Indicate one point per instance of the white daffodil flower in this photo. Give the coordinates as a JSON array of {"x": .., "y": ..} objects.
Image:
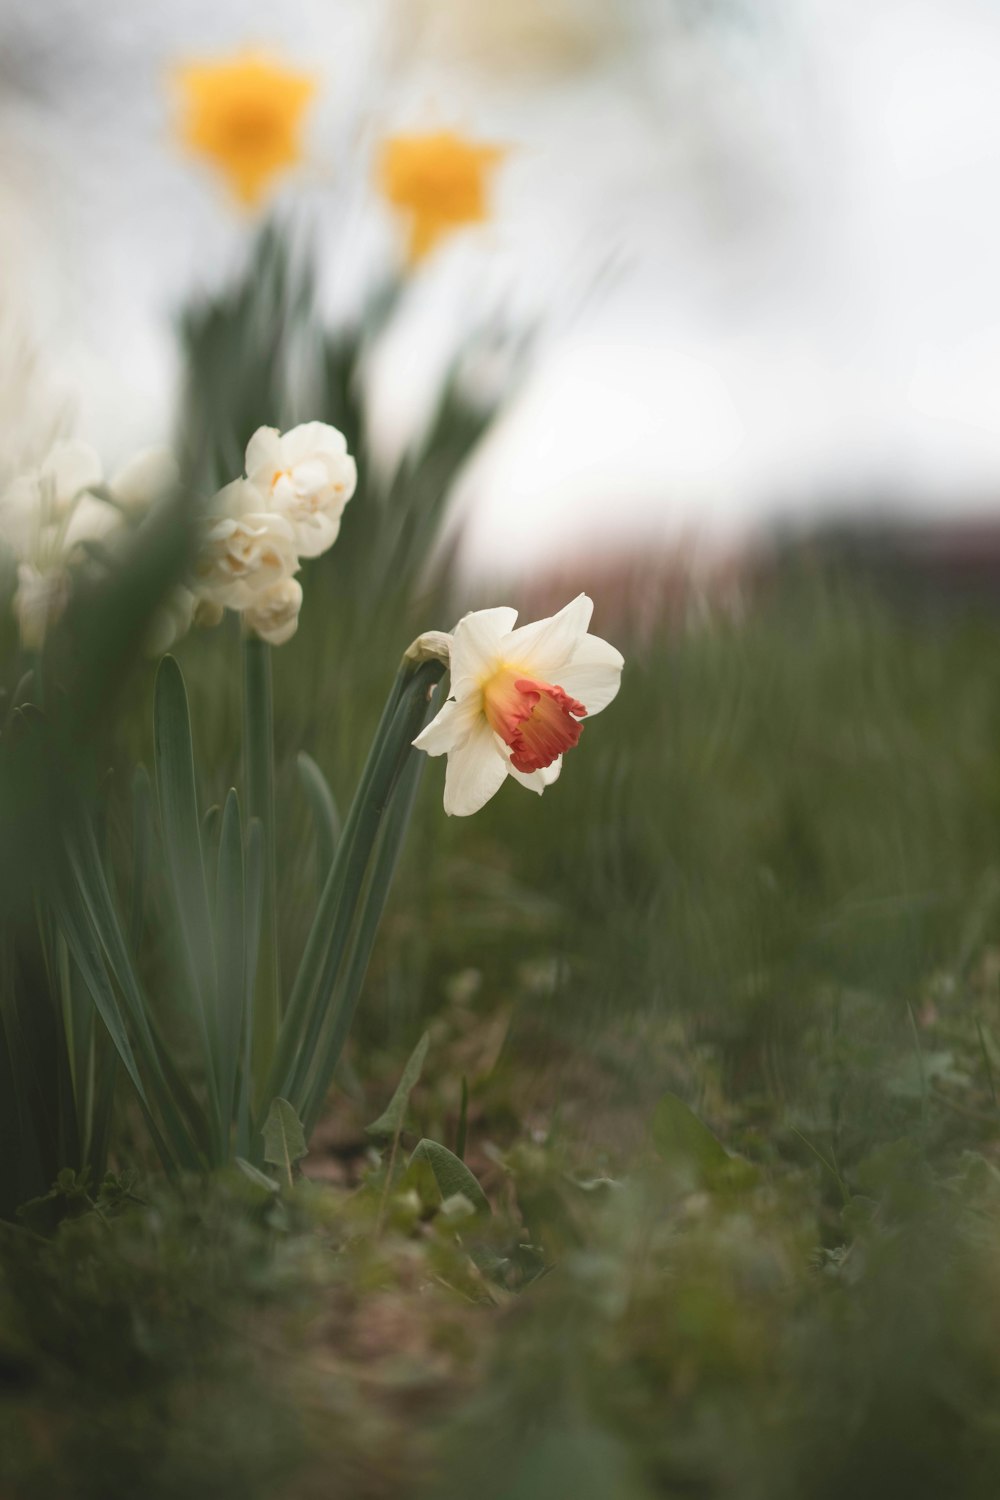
[
  {"x": 517, "y": 698},
  {"x": 245, "y": 550},
  {"x": 47, "y": 519},
  {"x": 305, "y": 475},
  {"x": 45, "y": 496},
  {"x": 274, "y": 614},
  {"x": 148, "y": 477}
]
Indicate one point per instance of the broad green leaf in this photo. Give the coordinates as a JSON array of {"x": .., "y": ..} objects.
[
  {"x": 688, "y": 1146},
  {"x": 462, "y": 1134},
  {"x": 256, "y": 1176},
  {"x": 284, "y": 1138},
  {"x": 451, "y": 1175},
  {"x": 390, "y": 1121}
]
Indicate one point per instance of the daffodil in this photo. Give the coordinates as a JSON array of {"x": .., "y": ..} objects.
[
  {"x": 305, "y": 475},
  {"x": 518, "y": 697},
  {"x": 246, "y": 115},
  {"x": 145, "y": 479},
  {"x": 244, "y": 549},
  {"x": 438, "y": 182},
  {"x": 49, "y": 519},
  {"x": 274, "y": 614}
]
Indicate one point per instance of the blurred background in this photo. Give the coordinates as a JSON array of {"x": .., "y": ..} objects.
[{"x": 754, "y": 240}]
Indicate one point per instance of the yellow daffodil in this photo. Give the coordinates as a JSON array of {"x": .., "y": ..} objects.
[
  {"x": 438, "y": 182},
  {"x": 517, "y": 699},
  {"x": 246, "y": 116}
]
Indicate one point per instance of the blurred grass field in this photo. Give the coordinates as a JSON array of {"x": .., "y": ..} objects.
[{"x": 768, "y": 883}]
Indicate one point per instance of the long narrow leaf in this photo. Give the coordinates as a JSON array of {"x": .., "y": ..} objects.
[
  {"x": 258, "y": 757},
  {"x": 254, "y": 879},
  {"x": 344, "y": 1003},
  {"x": 89, "y": 884},
  {"x": 326, "y": 819},
  {"x": 142, "y": 842},
  {"x": 391, "y": 753},
  {"x": 317, "y": 943},
  {"x": 182, "y": 842},
  {"x": 230, "y": 920}
]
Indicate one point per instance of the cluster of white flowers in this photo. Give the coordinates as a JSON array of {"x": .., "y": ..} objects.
[
  {"x": 287, "y": 507},
  {"x": 56, "y": 515},
  {"x": 252, "y": 538}
]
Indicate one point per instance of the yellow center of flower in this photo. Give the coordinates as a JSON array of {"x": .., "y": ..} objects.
[
  {"x": 246, "y": 116},
  {"x": 537, "y": 720},
  {"x": 439, "y": 182}
]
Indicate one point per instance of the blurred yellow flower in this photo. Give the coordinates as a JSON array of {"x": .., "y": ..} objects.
[
  {"x": 246, "y": 116},
  {"x": 439, "y": 182}
]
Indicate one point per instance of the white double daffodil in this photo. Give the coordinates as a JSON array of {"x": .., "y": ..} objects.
[
  {"x": 287, "y": 507},
  {"x": 305, "y": 475},
  {"x": 517, "y": 700}
]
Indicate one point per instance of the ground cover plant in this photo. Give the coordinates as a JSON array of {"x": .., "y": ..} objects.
[{"x": 661, "y": 1155}]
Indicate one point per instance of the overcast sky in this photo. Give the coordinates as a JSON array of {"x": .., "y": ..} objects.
[{"x": 764, "y": 246}]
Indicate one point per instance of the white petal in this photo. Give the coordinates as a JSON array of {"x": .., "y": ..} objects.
[
  {"x": 553, "y": 772},
  {"x": 237, "y": 498},
  {"x": 72, "y": 467},
  {"x": 264, "y": 455},
  {"x": 20, "y": 516},
  {"x": 537, "y": 781},
  {"x": 91, "y": 520},
  {"x": 453, "y": 724},
  {"x": 309, "y": 440},
  {"x": 547, "y": 645},
  {"x": 475, "y": 645},
  {"x": 593, "y": 676},
  {"x": 145, "y": 478},
  {"x": 476, "y": 771},
  {"x": 315, "y": 534}
]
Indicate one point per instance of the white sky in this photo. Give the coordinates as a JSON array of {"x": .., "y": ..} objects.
[{"x": 766, "y": 252}]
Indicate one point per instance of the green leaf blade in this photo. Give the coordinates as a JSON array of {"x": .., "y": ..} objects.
[
  {"x": 390, "y": 1121},
  {"x": 451, "y": 1175},
  {"x": 284, "y": 1138}
]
